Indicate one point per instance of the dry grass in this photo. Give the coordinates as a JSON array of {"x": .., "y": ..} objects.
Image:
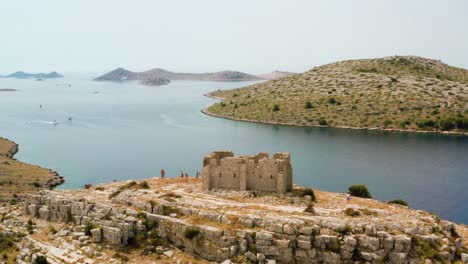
[
  {"x": 18, "y": 178},
  {"x": 389, "y": 93}
]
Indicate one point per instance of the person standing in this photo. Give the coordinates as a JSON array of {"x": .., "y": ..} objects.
[{"x": 163, "y": 173}]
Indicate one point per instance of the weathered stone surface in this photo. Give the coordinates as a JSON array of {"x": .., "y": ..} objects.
[
  {"x": 112, "y": 235},
  {"x": 96, "y": 234}
]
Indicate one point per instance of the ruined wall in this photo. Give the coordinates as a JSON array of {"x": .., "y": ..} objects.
[
  {"x": 261, "y": 237},
  {"x": 259, "y": 172}
]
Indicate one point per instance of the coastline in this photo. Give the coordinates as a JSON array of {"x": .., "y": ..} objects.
[
  {"x": 21, "y": 175},
  {"x": 207, "y": 112}
]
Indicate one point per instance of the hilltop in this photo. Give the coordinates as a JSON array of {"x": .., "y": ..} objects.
[
  {"x": 395, "y": 93},
  {"x": 120, "y": 74},
  {"x": 25, "y": 75},
  {"x": 176, "y": 221}
]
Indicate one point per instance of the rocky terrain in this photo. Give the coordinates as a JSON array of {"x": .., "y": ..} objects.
[
  {"x": 24, "y": 75},
  {"x": 175, "y": 221},
  {"x": 18, "y": 178},
  {"x": 393, "y": 93},
  {"x": 121, "y": 74}
]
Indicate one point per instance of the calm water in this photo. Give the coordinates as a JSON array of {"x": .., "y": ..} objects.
[{"x": 129, "y": 131}]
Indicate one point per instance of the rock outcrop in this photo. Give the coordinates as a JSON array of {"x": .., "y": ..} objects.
[{"x": 217, "y": 226}]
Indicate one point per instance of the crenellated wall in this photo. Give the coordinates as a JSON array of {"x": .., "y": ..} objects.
[{"x": 260, "y": 172}]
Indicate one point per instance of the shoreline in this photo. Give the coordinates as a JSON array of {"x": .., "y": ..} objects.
[
  {"x": 55, "y": 180},
  {"x": 207, "y": 112}
]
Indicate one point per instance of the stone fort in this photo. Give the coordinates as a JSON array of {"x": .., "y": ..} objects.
[{"x": 221, "y": 170}]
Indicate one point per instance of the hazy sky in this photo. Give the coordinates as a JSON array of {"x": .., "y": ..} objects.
[{"x": 254, "y": 36}]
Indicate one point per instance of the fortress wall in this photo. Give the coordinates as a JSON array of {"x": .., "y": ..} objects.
[{"x": 222, "y": 170}]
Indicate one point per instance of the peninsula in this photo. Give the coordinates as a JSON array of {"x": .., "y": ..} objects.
[
  {"x": 24, "y": 75},
  {"x": 18, "y": 178},
  {"x": 404, "y": 93}
]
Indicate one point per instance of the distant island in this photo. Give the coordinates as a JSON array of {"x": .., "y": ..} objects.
[
  {"x": 403, "y": 93},
  {"x": 8, "y": 90},
  {"x": 25, "y": 75},
  {"x": 276, "y": 75},
  {"x": 146, "y": 77}
]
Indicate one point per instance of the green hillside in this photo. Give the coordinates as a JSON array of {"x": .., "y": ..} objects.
[{"x": 407, "y": 93}]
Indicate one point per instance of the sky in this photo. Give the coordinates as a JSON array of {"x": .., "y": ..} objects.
[{"x": 253, "y": 36}]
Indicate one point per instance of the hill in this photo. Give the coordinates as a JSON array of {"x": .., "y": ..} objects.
[
  {"x": 176, "y": 221},
  {"x": 395, "y": 93},
  {"x": 276, "y": 75},
  {"x": 25, "y": 75},
  {"x": 223, "y": 76}
]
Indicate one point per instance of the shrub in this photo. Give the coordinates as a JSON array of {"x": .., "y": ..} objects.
[
  {"x": 308, "y": 105},
  {"x": 387, "y": 122},
  {"x": 398, "y": 201},
  {"x": 144, "y": 185},
  {"x": 88, "y": 186},
  {"x": 276, "y": 108},
  {"x": 332, "y": 100},
  {"x": 99, "y": 188},
  {"x": 52, "y": 230},
  {"x": 301, "y": 192},
  {"x": 41, "y": 260},
  {"x": 310, "y": 208},
  {"x": 359, "y": 190},
  {"x": 323, "y": 122},
  {"x": 36, "y": 184},
  {"x": 351, "y": 212},
  {"x": 191, "y": 232},
  {"x": 13, "y": 201},
  {"x": 425, "y": 123},
  {"x": 88, "y": 227}
]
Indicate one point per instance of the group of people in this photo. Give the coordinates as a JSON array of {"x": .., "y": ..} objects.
[{"x": 182, "y": 174}]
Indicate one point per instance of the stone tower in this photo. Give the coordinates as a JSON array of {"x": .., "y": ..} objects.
[{"x": 221, "y": 170}]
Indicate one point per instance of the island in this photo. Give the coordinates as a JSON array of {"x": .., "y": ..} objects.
[
  {"x": 276, "y": 75},
  {"x": 24, "y": 75},
  {"x": 8, "y": 90},
  {"x": 398, "y": 93},
  {"x": 121, "y": 74}
]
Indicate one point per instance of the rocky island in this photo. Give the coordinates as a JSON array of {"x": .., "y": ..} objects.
[
  {"x": 403, "y": 93},
  {"x": 24, "y": 75},
  {"x": 121, "y": 74},
  {"x": 184, "y": 220}
]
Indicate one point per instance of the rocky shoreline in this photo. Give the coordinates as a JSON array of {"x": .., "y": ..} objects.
[
  {"x": 207, "y": 112},
  {"x": 56, "y": 179}
]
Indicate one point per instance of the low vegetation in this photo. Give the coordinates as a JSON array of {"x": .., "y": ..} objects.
[
  {"x": 351, "y": 212},
  {"x": 191, "y": 232},
  {"x": 407, "y": 93},
  {"x": 359, "y": 190},
  {"x": 131, "y": 185},
  {"x": 398, "y": 201}
]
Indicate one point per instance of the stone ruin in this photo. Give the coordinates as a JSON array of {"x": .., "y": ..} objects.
[{"x": 221, "y": 170}]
